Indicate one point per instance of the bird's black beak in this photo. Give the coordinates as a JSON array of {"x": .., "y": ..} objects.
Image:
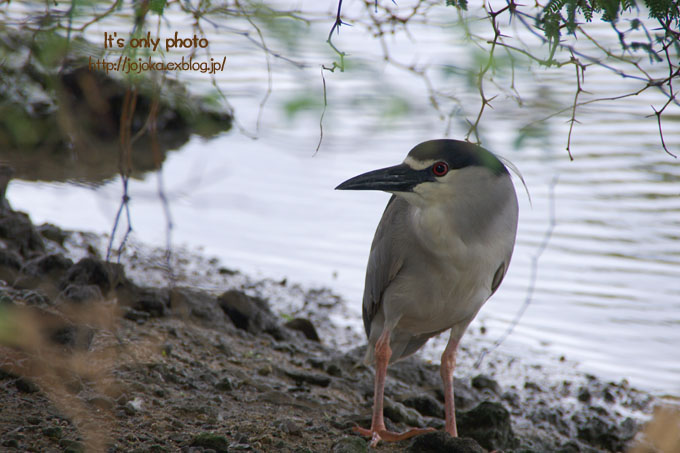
[{"x": 399, "y": 178}]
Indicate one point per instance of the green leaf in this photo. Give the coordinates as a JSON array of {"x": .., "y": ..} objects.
[
  {"x": 462, "y": 4},
  {"x": 300, "y": 103},
  {"x": 553, "y": 7},
  {"x": 571, "y": 16},
  {"x": 157, "y": 6}
]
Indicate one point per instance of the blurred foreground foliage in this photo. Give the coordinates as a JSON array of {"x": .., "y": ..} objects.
[
  {"x": 507, "y": 36},
  {"x": 61, "y": 120},
  {"x": 504, "y": 39}
]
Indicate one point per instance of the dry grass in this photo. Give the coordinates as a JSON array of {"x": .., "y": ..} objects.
[
  {"x": 661, "y": 434},
  {"x": 65, "y": 373}
]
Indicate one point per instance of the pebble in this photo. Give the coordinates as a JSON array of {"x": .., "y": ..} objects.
[
  {"x": 26, "y": 386},
  {"x": 88, "y": 271},
  {"x": 213, "y": 441},
  {"x": 289, "y": 427},
  {"x": 34, "y": 420},
  {"x": 136, "y": 315},
  {"x": 334, "y": 370},
  {"x": 71, "y": 446},
  {"x": 584, "y": 395},
  {"x": 307, "y": 377},
  {"x": 53, "y": 432},
  {"x": 225, "y": 385},
  {"x": 265, "y": 370},
  {"x": 102, "y": 402},
  {"x": 483, "y": 382},
  {"x": 305, "y": 326}
]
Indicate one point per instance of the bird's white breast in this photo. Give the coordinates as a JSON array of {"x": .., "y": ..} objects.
[{"x": 453, "y": 271}]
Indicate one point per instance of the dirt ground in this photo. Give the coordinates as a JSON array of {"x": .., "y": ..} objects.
[{"x": 97, "y": 356}]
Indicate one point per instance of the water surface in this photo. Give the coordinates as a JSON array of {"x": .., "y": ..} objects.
[{"x": 607, "y": 292}]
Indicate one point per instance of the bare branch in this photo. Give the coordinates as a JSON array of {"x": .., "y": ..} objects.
[
  {"x": 323, "y": 112},
  {"x": 577, "y": 66}
]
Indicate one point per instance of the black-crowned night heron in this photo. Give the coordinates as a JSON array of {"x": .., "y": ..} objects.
[{"x": 441, "y": 250}]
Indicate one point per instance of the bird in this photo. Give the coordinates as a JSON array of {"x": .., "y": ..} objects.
[{"x": 441, "y": 249}]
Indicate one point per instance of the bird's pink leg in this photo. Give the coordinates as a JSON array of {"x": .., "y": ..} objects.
[
  {"x": 446, "y": 370},
  {"x": 378, "y": 431}
]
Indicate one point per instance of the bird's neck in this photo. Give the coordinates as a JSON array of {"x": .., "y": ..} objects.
[{"x": 435, "y": 227}]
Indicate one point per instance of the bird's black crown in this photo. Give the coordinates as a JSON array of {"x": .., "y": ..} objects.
[{"x": 458, "y": 154}]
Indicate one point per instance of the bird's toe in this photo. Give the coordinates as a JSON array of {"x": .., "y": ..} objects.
[{"x": 379, "y": 434}]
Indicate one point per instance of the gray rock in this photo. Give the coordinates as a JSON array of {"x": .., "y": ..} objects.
[
  {"x": 73, "y": 337},
  {"x": 601, "y": 434},
  {"x": 53, "y": 233},
  {"x": 511, "y": 398},
  {"x": 308, "y": 378},
  {"x": 426, "y": 405},
  {"x": 152, "y": 301},
  {"x": 102, "y": 402},
  {"x": 88, "y": 271},
  {"x": 350, "y": 445},
  {"x": 488, "y": 424},
  {"x": 289, "y": 427},
  {"x": 251, "y": 314},
  {"x": 20, "y": 233},
  {"x": 225, "y": 385},
  {"x": 463, "y": 395},
  {"x": 6, "y": 174},
  {"x": 80, "y": 293},
  {"x": 399, "y": 413},
  {"x": 584, "y": 395},
  {"x": 441, "y": 442},
  {"x": 305, "y": 326},
  {"x": 26, "y": 386},
  {"x": 483, "y": 382},
  {"x": 10, "y": 259},
  {"x": 136, "y": 315},
  {"x": 71, "y": 446},
  {"x": 528, "y": 385},
  {"x": 334, "y": 370},
  {"x": 10, "y": 443},
  {"x": 130, "y": 408},
  {"x": 569, "y": 447},
  {"x": 199, "y": 305},
  {"x": 54, "y": 265},
  {"x": 213, "y": 441},
  {"x": 53, "y": 432}
]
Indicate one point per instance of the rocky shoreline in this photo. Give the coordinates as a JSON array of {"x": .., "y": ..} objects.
[{"x": 97, "y": 356}]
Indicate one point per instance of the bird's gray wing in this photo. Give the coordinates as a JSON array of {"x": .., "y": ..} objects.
[
  {"x": 385, "y": 260},
  {"x": 498, "y": 277}
]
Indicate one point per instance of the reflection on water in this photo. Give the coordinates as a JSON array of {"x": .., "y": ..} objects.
[
  {"x": 65, "y": 124},
  {"x": 608, "y": 285}
]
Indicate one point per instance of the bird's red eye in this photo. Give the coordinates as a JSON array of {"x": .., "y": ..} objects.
[{"x": 440, "y": 168}]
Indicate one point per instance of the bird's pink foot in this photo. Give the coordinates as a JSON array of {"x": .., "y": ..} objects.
[{"x": 379, "y": 434}]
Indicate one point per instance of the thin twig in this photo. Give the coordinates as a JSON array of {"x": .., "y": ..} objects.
[
  {"x": 336, "y": 26},
  {"x": 577, "y": 66},
  {"x": 323, "y": 112},
  {"x": 269, "y": 66},
  {"x": 125, "y": 168}
]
